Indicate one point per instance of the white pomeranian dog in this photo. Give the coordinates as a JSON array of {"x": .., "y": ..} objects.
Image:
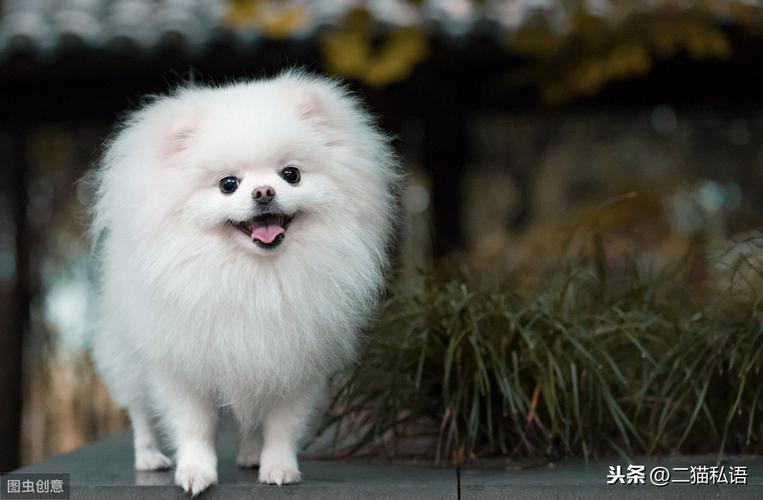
[{"x": 242, "y": 239}]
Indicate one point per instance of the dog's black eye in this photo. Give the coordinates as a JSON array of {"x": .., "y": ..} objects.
[
  {"x": 228, "y": 184},
  {"x": 290, "y": 175}
]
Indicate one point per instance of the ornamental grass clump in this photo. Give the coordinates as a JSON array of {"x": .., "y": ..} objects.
[{"x": 592, "y": 364}]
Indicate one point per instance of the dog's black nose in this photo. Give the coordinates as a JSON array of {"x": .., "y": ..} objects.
[{"x": 263, "y": 194}]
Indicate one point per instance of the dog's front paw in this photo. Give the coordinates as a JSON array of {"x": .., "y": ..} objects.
[
  {"x": 279, "y": 474},
  {"x": 146, "y": 460},
  {"x": 195, "y": 478}
]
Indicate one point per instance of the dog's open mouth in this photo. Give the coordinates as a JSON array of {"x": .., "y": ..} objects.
[{"x": 267, "y": 230}]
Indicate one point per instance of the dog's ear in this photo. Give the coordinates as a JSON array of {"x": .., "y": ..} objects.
[
  {"x": 315, "y": 105},
  {"x": 177, "y": 135},
  {"x": 307, "y": 102}
]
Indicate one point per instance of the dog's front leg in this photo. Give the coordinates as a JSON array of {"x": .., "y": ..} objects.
[
  {"x": 191, "y": 420},
  {"x": 282, "y": 428}
]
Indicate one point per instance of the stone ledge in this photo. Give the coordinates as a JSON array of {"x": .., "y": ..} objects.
[{"x": 104, "y": 470}]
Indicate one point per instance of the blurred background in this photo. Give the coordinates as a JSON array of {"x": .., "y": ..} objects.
[{"x": 520, "y": 121}]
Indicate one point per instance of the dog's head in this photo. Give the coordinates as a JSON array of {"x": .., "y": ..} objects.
[{"x": 262, "y": 166}]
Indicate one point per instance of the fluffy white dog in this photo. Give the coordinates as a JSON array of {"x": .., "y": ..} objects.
[{"x": 242, "y": 242}]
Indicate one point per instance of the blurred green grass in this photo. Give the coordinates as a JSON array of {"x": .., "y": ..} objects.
[{"x": 585, "y": 363}]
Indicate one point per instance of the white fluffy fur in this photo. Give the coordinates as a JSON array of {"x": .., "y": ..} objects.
[{"x": 192, "y": 315}]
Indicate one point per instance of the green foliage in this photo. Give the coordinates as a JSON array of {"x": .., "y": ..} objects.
[{"x": 589, "y": 364}]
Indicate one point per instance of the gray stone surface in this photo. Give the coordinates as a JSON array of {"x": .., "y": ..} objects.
[
  {"x": 568, "y": 480},
  {"x": 104, "y": 470}
]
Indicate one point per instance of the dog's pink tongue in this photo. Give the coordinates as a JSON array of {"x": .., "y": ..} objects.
[{"x": 266, "y": 232}]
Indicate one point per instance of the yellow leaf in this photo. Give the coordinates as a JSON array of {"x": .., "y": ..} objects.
[
  {"x": 274, "y": 19},
  {"x": 241, "y": 13},
  {"x": 347, "y": 52}
]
